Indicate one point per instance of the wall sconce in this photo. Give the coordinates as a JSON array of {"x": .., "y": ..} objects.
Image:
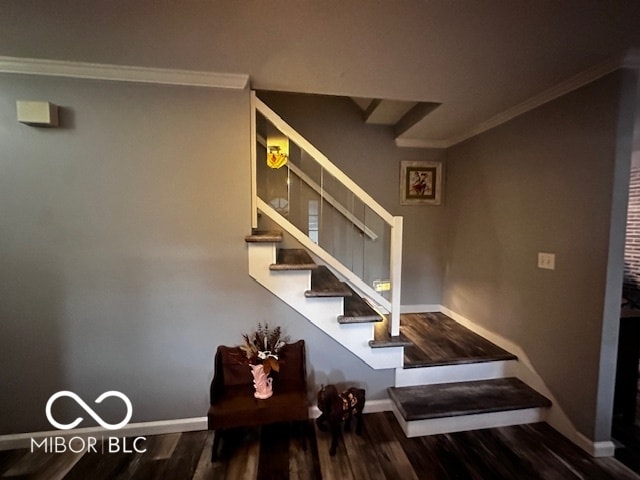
[
  {"x": 277, "y": 151},
  {"x": 276, "y": 159}
]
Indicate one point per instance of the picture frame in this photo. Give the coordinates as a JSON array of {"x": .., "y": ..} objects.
[{"x": 420, "y": 183}]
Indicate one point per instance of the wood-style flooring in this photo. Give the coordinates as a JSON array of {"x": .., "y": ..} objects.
[{"x": 382, "y": 452}]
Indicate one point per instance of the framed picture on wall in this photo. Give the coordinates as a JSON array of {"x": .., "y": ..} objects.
[{"x": 420, "y": 183}]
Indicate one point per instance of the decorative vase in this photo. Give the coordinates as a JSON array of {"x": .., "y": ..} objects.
[{"x": 261, "y": 382}]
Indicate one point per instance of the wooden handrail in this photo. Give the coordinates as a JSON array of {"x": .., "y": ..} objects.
[
  {"x": 395, "y": 222},
  {"x": 322, "y": 160}
]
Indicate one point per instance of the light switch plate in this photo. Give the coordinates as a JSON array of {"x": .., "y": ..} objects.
[{"x": 547, "y": 260}]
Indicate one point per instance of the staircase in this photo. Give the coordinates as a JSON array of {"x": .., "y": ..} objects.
[
  {"x": 455, "y": 380},
  {"x": 317, "y": 293},
  {"x": 447, "y": 378}
]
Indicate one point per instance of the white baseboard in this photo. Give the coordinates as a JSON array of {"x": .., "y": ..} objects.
[
  {"x": 420, "y": 308},
  {"x": 595, "y": 449},
  {"x": 143, "y": 429},
  {"x": 375, "y": 406},
  {"x": 370, "y": 406}
]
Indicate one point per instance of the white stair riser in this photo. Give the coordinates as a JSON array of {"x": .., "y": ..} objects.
[
  {"x": 290, "y": 285},
  {"x": 260, "y": 254},
  {"x": 407, "y": 377},
  {"x": 461, "y": 423}
]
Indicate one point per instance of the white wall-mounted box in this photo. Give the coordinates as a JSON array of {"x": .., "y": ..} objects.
[{"x": 39, "y": 114}]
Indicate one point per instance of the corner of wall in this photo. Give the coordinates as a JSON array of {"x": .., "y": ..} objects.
[{"x": 524, "y": 370}]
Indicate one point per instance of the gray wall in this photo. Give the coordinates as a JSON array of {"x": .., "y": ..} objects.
[
  {"x": 122, "y": 261},
  {"x": 368, "y": 155},
  {"x": 544, "y": 182}
]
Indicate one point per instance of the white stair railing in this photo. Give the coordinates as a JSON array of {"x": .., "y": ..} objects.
[{"x": 394, "y": 223}]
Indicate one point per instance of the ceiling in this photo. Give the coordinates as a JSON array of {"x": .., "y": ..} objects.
[{"x": 470, "y": 62}]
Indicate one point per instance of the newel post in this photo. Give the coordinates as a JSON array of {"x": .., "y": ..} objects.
[
  {"x": 396, "y": 275},
  {"x": 254, "y": 163}
]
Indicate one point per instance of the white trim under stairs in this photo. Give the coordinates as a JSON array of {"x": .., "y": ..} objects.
[
  {"x": 290, "y": 285},
  {"x": 435, "y": 426},
  {"x": 323, "y": 312},
  {"x": 406, "y": 377}
]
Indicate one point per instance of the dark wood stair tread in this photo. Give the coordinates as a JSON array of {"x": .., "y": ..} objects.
[
  {"x": 358, "y": 310},
  {"x": 382, "y": 338},
  {"x": 465, "y": 398},
  {"x": 293, "y": 259},
  {"x": 325, "y": 284},
  {"x": 389, "y": 341},
  {"x": 258, "y": 236},
  {"x": 440, "y": 340}
]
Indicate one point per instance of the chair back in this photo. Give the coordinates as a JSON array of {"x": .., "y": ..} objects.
[{"x": 232, "y": 368}]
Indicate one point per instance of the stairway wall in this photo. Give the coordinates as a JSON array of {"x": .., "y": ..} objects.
[
  {"x": 545, "y": 182},
  {"x": 368, "y": 155}
]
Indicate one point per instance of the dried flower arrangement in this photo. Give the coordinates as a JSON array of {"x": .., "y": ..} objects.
[{"x": 264, "y": 344}]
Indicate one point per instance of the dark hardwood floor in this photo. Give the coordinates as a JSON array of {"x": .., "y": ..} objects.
[
  {"x": 382, "y": 452},
  {"x": 280, "y": 452}
]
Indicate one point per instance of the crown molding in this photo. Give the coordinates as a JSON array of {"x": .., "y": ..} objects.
[
  {"x": 123, "y": 73},
  {"x": 629, "y": 59},
  {"x": 573, "y": 83}
]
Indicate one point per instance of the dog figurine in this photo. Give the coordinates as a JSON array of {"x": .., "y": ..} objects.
[{"x": 337, "y": 408}]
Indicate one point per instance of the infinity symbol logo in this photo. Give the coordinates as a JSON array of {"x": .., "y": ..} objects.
[{"x": 88, "y": 409}]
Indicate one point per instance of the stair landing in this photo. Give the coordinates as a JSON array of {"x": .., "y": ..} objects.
[{"x": 439, "y": 340}]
